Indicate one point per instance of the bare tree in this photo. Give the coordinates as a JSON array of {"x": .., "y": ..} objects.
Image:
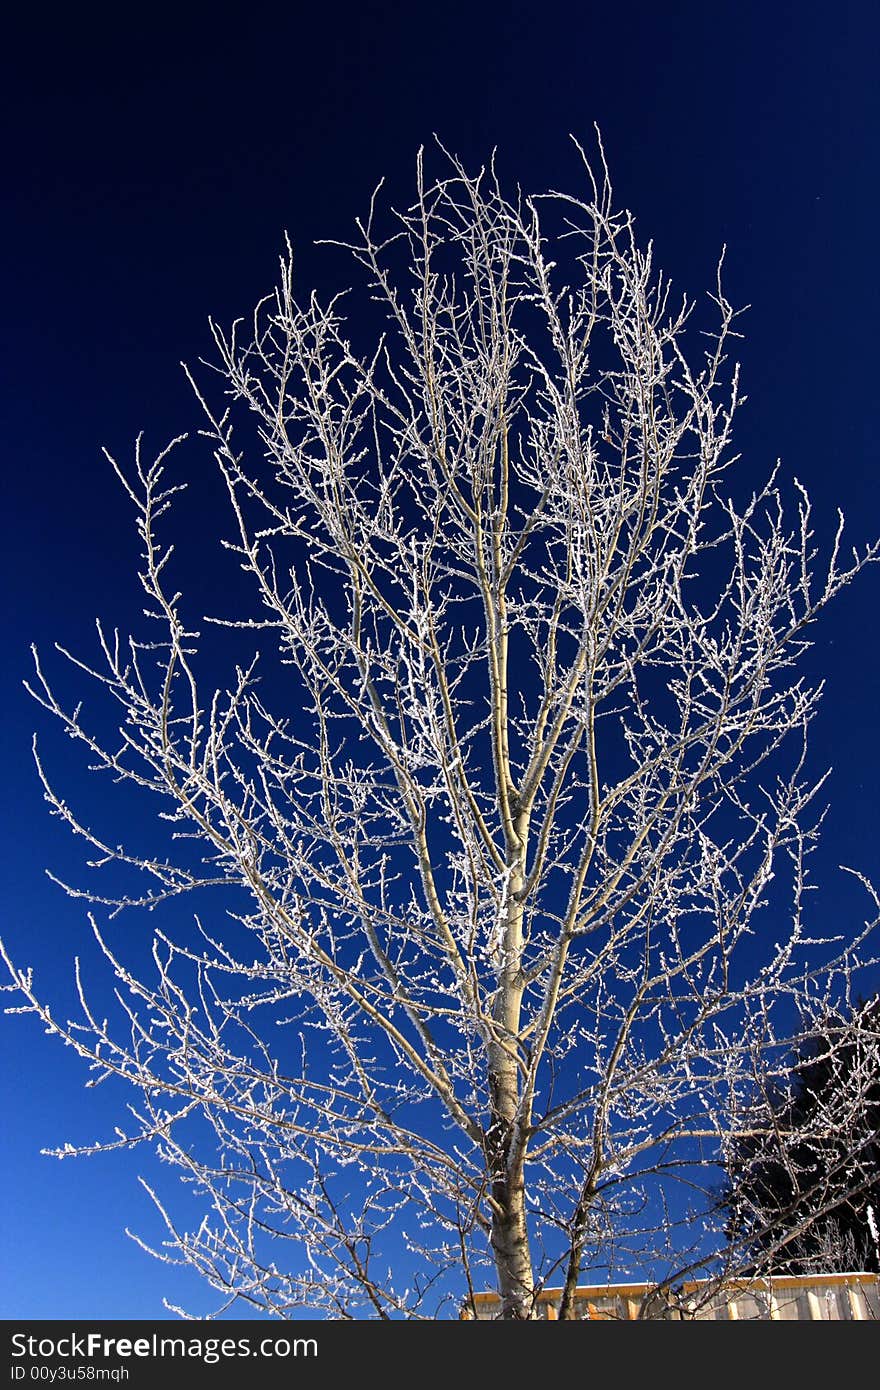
[{"x": 512, "y": 836}]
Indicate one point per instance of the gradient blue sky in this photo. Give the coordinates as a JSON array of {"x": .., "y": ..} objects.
[{"x": 152, "y": 163}]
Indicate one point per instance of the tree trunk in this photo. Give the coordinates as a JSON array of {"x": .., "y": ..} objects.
[
  {"x": 510, "y": 1238},
  {"x": 506, "y": 1153},
  {"x": 506, "y": 1149}
]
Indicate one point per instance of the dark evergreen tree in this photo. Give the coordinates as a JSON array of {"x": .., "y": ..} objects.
[{"x": 805, "y": 1145}]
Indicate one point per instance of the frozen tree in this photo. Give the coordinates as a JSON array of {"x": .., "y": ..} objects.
[{"x": 510, "y": 813}]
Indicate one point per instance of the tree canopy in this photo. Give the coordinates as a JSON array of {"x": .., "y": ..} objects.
[{"x": 499, "y": 834}]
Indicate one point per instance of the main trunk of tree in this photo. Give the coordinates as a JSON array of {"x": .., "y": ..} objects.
[
  {"x": 507, "y": 1140},
  {"x": 510, "y": 1238}
]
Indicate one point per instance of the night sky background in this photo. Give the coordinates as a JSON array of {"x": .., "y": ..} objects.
[{"x": 152, "y": 161}]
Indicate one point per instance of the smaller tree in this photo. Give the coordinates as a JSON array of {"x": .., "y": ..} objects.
[{"x": 810, "y": 1141}]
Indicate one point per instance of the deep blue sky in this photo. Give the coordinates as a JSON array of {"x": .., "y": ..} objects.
[{"x": 152, "y": 162}]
